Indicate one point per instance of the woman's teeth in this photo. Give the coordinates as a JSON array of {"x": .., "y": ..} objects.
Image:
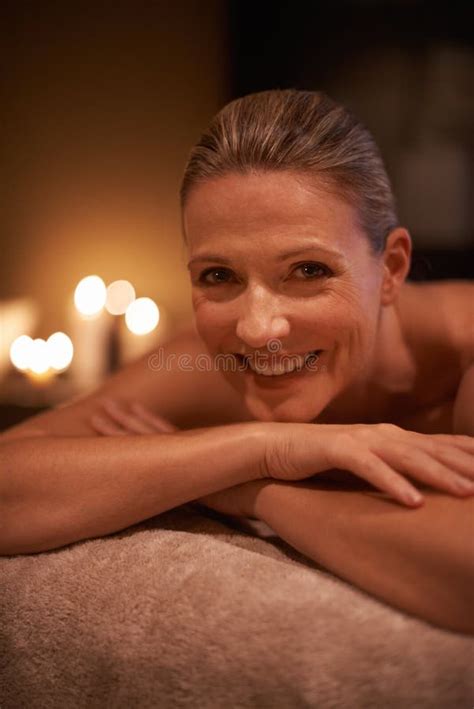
[{"x": 291, "y": 364}]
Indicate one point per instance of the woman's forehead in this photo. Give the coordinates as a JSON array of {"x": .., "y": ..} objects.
[{"x": 268, "y": 208}]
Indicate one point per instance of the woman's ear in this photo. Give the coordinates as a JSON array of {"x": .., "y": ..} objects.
[{"x": 396, "y": 263}]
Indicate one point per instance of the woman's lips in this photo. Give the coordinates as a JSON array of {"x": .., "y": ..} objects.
[{"x": 285, "y": 367}]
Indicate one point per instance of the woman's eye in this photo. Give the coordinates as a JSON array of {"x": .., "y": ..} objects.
[
  {"x": 219, "y": 275},
  {"x": 312, "y": 270},
  {"x": 216, "y": 276}
]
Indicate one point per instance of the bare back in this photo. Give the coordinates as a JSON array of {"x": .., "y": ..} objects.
[{"x": 437, "y": 324}]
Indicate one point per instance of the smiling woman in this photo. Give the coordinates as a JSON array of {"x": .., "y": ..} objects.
[
  {"x": 298, "y": 268},
  {"x": 329, "y": 303},
  {"x": 284, "y": 175}
]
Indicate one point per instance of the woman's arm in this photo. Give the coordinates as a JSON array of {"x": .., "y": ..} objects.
[
  {"x": 61, "y": 482},
  {"x": 419, "y": 560},
  {"x": 56, "y": 490}
]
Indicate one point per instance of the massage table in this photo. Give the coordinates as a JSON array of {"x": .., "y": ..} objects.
[{"x": 195, "y": 609}]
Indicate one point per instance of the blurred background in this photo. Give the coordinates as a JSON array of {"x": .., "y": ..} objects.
[{"x": 102, "y": 102}]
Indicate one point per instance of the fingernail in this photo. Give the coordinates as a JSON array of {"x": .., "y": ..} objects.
[
  {"x": 465, "y": 485},
  {"x": 98, "y": 420},
  {"x": 111, "y": 403},
  {"x": 414, "y": 498}
]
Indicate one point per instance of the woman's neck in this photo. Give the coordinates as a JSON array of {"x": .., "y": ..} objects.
[{"x": 391, "y": 372}]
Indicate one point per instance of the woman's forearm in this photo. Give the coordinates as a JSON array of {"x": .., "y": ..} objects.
[
  {"x": 56, "y": 490},
  {"x": 419, "y": 560}
]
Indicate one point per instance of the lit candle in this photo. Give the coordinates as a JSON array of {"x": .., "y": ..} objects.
[
  {"x": 90, "y": 338},
  {"x": 41, "y": 378},
  {"x": 89, "y": 326},
  {"x": 42, "y": 360},
  {"x": 142, "y": 329},
  {"x": 17, "y": 317}
]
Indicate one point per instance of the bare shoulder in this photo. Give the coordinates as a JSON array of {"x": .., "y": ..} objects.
[
  {"x": 166, "y": 380},
  {"x": 442, "y": 310}
]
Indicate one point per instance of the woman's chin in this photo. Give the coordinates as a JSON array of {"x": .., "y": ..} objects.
[{"x": 300, "y": 401}]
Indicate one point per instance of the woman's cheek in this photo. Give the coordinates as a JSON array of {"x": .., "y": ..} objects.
[
  {"x": 198, "y": 300},
  {"x": 347, "y": 309},
  {"x": 209, "y": 323},
  {"x": 332, "y": 321}
]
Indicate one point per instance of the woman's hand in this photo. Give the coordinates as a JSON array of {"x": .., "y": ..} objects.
[
  {"x": 117, "y": 419},
  {"x": 379, "y": 453}
]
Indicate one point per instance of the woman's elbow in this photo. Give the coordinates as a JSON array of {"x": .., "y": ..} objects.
[
  {"x": 458, "y": 614},
  {"x": 460, "y": 609},
  {"x": 27, "y": 533},
  {"x": 452, "y": 603}
]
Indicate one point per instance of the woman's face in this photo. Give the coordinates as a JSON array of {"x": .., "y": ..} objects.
[{"x": 279, "y": 266}]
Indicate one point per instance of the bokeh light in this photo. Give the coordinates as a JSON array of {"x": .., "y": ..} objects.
[
  {"x": 39, "y": 356},
  {"x": 20, "y": 352},
  {"x": 142, "y": 316},
  {"x": 39, "y": 359},
  {"x": 120, "y": 294},
  {"x": 60, "y": 351},
  {"x": 90, "y": 295}
]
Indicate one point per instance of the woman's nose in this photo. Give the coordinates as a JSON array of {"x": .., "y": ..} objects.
[{"x": 261, "y": 320}]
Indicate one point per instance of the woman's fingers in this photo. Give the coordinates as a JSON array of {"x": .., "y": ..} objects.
[
  {"x": 423, "y": 467},
  {"x": 442, "y": 460},
  {"x": 129, "y": 421},
  {"x": 438, "y": 464},
  {"x": 106, "y": 426},
  {"x": 464, "y": 443},
  {"x": 382, "y": 454},
  {"x": 158, "y": 422},
  {"x": 297, "y": 451},
  {"x": 457, "y": 460},
  {"x": 455, "y": 452},
  {"x": 117, "y": 419},
  {"x": 370, "y": 467},
  {"x": 435, "y": 460}
]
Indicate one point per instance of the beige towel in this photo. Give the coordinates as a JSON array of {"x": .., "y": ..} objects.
[{"x": 190, "y": 609}]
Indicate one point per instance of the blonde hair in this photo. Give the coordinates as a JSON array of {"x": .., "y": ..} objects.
[{"x": 303, "y": 131}]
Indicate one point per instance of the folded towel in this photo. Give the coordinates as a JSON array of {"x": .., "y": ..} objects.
[{"x": 190, "y": 609}]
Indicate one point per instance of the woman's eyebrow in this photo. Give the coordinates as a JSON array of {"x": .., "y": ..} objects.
[
  {"x": 279, "y": 257},
  {"x": 208, "y": 257},
  {"x": 305, "y": 249}
]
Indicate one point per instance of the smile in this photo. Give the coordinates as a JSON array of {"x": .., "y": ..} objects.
[{"x": 287, "y": 365}]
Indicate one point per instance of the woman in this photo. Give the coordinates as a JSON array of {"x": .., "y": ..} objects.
[{"x": 298, "y": 268}]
